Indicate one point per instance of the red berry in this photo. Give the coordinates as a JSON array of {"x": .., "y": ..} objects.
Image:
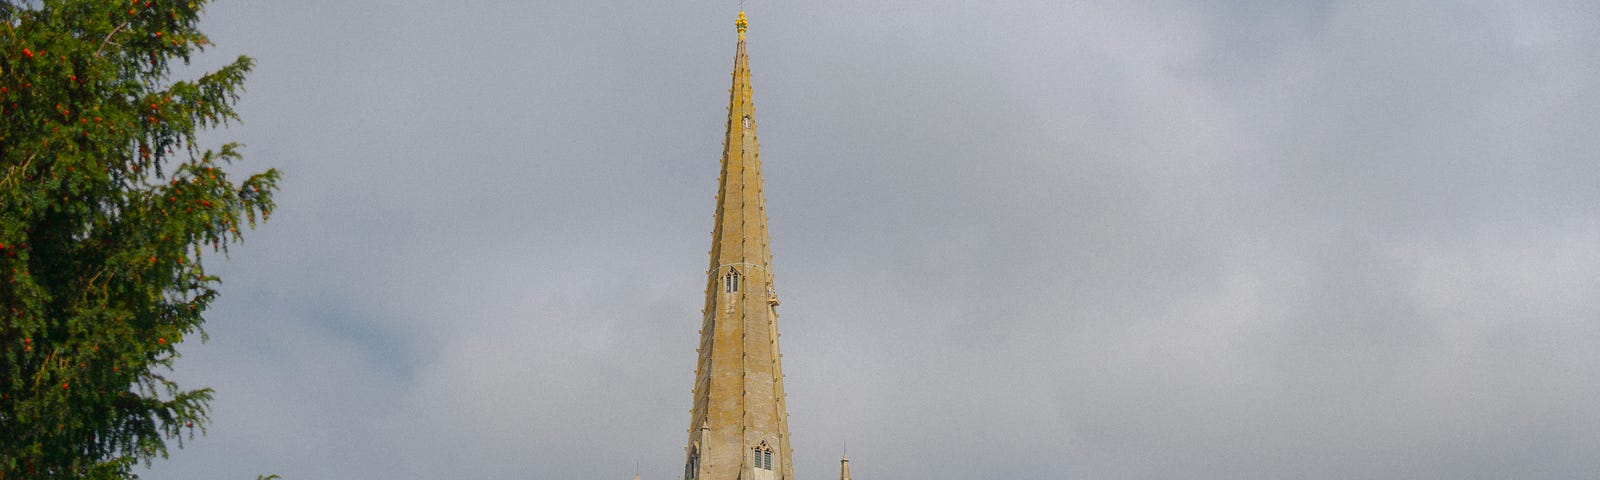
[
  {"x": 162, "y": 341},
  {"x": 27, "y": 52}
]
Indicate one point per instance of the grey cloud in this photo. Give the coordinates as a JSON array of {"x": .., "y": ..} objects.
[{"x": 1021, "y": 240}]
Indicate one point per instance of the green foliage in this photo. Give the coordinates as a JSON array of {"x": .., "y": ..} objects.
[{"x": 107, "y": 206}]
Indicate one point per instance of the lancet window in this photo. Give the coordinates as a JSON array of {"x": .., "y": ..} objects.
[
  {"x": 763, "y": 457},
  {"x": 761, "y": 462},
  {"x": 730, "y": 281}
]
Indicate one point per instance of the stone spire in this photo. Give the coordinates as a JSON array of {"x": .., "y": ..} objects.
[
  {"x": 741, "y": 225},
  {"x": 844, "y": 467},
  {"x": 739, "y": 425}
]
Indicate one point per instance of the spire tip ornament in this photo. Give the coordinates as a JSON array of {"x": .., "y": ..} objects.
[{"x": 742, "y": 24}]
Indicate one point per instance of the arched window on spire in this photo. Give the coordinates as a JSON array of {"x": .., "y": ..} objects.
[
  {"x": 762, "y": 461},
  {"x": 730, "y": 281}
]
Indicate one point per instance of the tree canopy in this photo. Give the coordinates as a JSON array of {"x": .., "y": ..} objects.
[{"x": 108, "y": 205}]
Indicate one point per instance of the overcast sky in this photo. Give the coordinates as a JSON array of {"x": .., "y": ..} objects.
[{"x": 1014, "y": 240}]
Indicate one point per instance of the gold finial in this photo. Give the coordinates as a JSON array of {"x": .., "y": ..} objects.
[{"x": 742, "y": 24}]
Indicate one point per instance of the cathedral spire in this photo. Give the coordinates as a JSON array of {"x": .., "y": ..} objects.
[
  {"x": 739, "y": 425},
  {"x": 741, "y": 229},
  {"x": 844, "y": 467}
]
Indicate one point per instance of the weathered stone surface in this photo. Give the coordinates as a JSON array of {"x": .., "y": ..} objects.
[{"x": 738, "y": 391}]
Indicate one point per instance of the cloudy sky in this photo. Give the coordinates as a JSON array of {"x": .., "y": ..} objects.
[{"x": 1015, "y": 240}]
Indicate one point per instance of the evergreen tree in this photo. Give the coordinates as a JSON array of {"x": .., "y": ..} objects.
[{"x": 107, "y": 207}]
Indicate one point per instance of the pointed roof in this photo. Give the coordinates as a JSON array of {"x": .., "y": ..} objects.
[
  {"x": 740, "y": 239},
  {"x": 739, "y": 420}
]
